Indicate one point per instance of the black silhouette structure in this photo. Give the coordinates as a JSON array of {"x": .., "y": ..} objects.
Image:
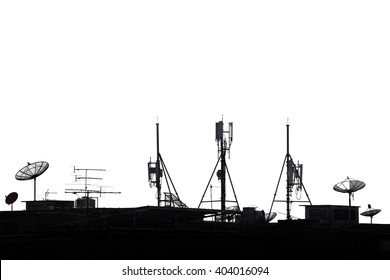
[
  {"x": 294, "y": 179},
  {"x": 224, "y": 144},
  {"x": 156, "y": 170},
  {"x": 51, "y": 229}
]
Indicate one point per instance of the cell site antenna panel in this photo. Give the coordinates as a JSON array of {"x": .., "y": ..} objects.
[
  {"x": 11, "y": 198},
  {"x": 370, "y": 212},
  {"x": 32, "y": 171}
]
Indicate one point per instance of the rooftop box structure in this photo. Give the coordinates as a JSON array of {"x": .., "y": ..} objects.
[
  {"x": 333, "y": 215},
  {"x": 49, "y": 205}
]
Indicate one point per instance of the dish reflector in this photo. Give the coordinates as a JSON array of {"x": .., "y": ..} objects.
[
  {"x": 349, "y": 186},
  {"x": 370, "y": 213},
  {"x": 11, "y": 198},
  {"x": 32, "y": 170}
]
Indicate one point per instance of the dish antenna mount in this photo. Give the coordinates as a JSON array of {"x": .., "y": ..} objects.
[
  {"x": 32, "y": 171},
  {"x": 349, "y": 186},
  {"x": 370, "y": 212}
]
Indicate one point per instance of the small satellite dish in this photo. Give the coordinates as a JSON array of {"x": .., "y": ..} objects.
[
  {"x": 11, "y": 198},
  {"x": 349, "y": 186},
  {"x": 270, "y": 216},
  {"x": 32, "y": 171},
  {"x": 370, "y": 212}
]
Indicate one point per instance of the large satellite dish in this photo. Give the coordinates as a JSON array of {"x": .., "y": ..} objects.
[
  {"x": 32, "y": 171},
  {"x": 11, "y": 198},
  {"x": 370, "y": 212},
  {"x": 349, "y": 186}
]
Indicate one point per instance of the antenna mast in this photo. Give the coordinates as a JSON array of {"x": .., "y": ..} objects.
[
  {"x": 294, "y": 178},
  {"x": 155, "y": 173},
  {"x": 158, "y": 169},
  {"x": 224, "y": 143}
]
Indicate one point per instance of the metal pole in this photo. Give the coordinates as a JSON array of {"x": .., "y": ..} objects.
[
  {"x": 277, "y": 186},
  {"x": 349, "y": 212},
  {"x": 167, "y": 175},
  {"x": 35, "y": 188},
  {"x": 223, "y": 181},
  {"x": 288, "y": 173},
  {"x": 231, "y": 183},
  {"x": 211, "y": 177},
  {"x": 86, "y": 178},
  {"x": 158, "y": 168}
]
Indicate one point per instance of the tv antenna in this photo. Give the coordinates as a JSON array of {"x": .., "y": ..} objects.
[
  {"x": 294, "y": 180},
  {"x": 32, "y": 171},
  {"x": 224, "y": 141},
  {"x": 10, "y": 199},
  {"x": 370, "y": 212},
  {"x": 156, "y": 170},
  {"x": 85, "y": 178},
  {"x": 47, "y": 194}
]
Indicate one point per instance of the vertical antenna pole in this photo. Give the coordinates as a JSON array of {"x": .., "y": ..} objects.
[
  {"x": 158, "y": 167},
  {"x": 86, "y": 178},
  {"x": 289, "y": 173},
  {"x": 86, "y": 192},
  {"x": 223, "y": 180}
]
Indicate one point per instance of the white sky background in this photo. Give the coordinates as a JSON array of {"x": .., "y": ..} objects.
[{"x": 82, "y": 83}]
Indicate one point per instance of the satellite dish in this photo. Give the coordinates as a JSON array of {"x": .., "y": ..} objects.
[
  {"x": 370, "y": 212},
  {"x": 349, "y": 186},
  {"x": 270, "y": 216},
  {"x": 32, "y": 171},
  {"x": 11, "y": 198}
]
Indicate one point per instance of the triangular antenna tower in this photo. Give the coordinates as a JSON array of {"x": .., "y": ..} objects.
[
  {"x": 156, "y": 170},
  {"x": 294, "y": 180},
  {"x": 224, "y": 141}
]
